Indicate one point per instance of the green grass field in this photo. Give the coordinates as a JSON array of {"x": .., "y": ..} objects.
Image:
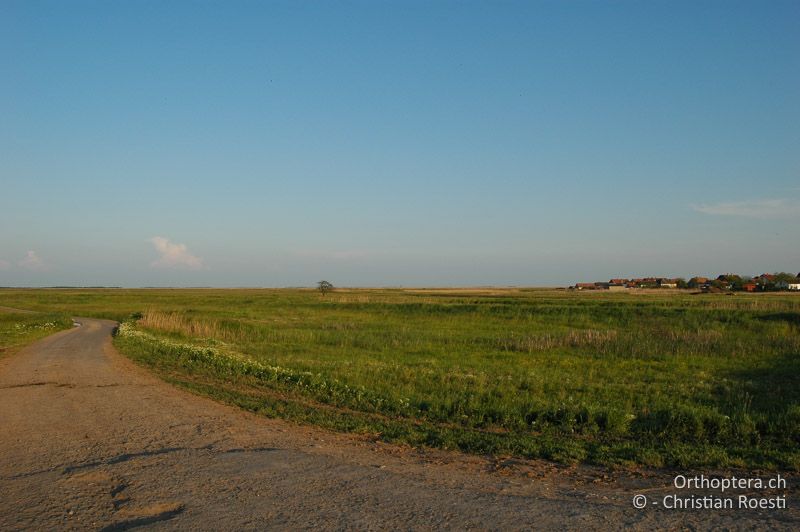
[
  {"x": 657, "y": 379},
  {"x": 19, "y": 329}
]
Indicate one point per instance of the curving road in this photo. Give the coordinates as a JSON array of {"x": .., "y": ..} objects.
[{"x": 90, "y": 441}]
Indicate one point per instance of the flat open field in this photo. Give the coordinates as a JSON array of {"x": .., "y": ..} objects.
[{"x": 656, "y": 379}]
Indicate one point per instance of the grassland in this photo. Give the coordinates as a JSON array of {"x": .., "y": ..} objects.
[
  {"x": 659, "y": 379},
  {"x": 17, "y": 329}
]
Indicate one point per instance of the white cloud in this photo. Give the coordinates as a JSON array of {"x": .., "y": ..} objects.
[
  {"x": 4, "y": 264},
  {"x": 763, "y": 208},
  {"x": 174, "y": 255},
  {"x": 32, "y": 262}
]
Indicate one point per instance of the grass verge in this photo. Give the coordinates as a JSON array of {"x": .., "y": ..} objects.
[
  {"x": 18, "y": 329},
  {"x": 681, "y": 437}
]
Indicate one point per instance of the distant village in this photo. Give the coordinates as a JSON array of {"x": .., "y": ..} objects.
[{"x": 728, "y": 282}]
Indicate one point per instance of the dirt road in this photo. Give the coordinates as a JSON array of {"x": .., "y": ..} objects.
[{"x": 88, "y": 440}]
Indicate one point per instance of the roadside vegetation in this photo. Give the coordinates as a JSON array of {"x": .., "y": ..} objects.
[
  {"x": 670, "y": 379},
  {"x": 18, "y": 329}
]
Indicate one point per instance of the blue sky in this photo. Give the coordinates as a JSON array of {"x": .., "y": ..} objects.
[{"x": 396, "y": 143}]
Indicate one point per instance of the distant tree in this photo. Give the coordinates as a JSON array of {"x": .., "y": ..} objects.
[
  {"x": 738, "y": 282},
  {"x": 768, "y": 286},
  {"x": 681, "y": 282},
  {"x": 693, "y": 283},
  {"x": 324, "y": 287},
  {"x": 783, "y": 276}
]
